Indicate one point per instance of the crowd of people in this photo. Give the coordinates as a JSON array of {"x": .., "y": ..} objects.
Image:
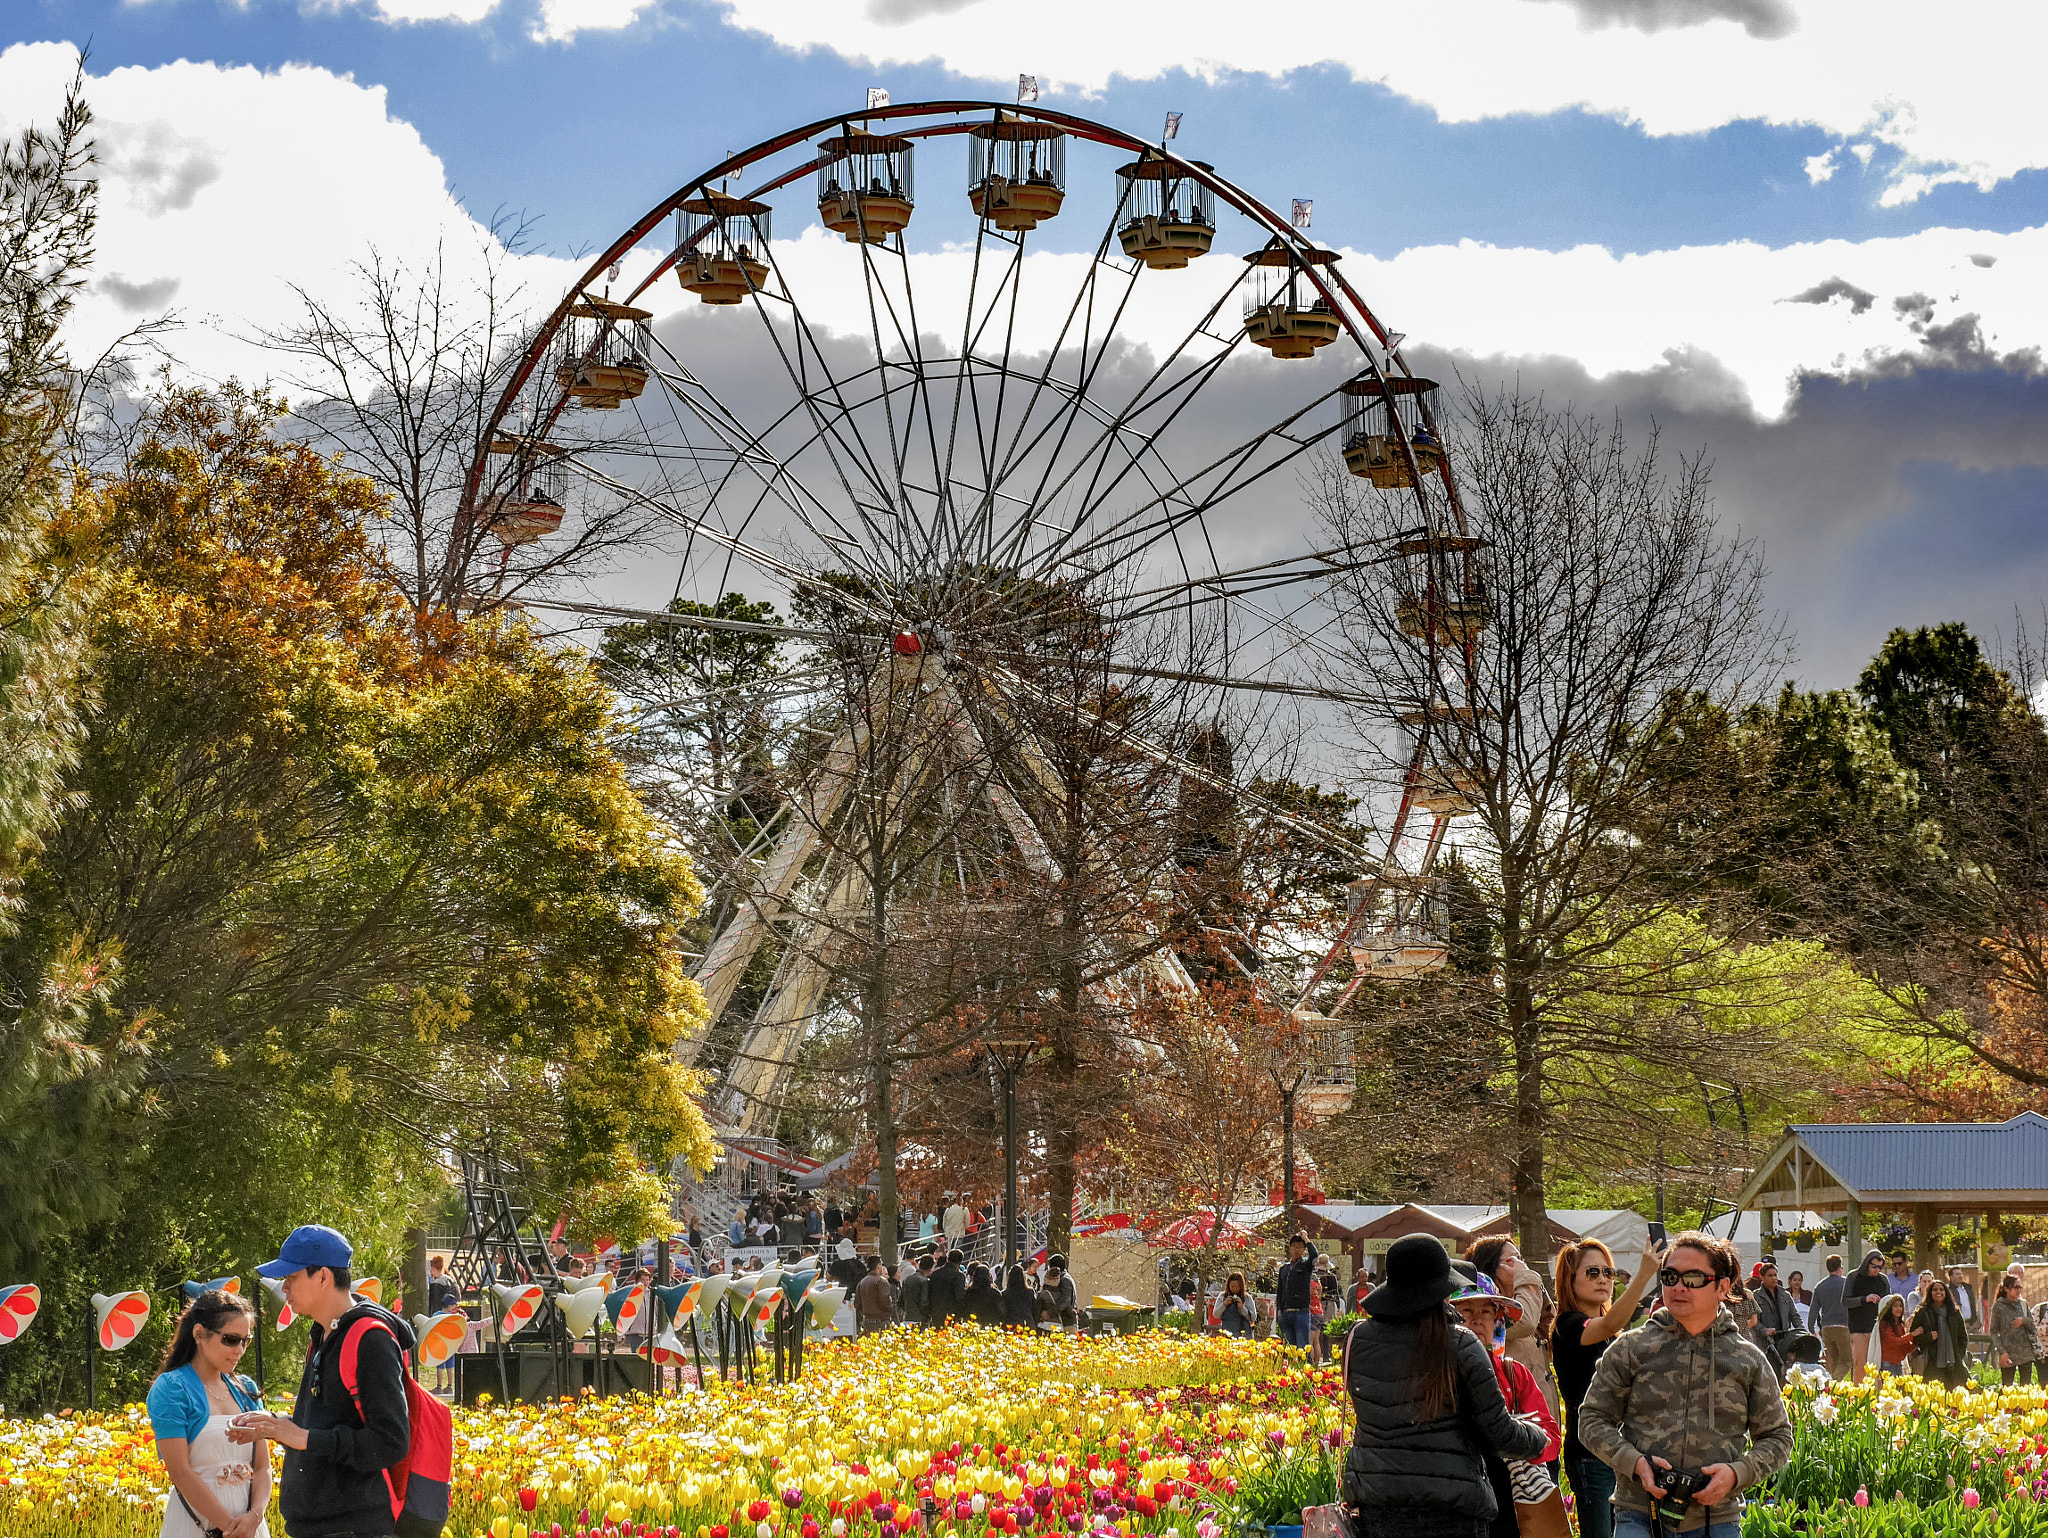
[
  {"x": 1464, "y": 1431},
  {"x": 1481, "y": 1388},
  {"x": 1655, "y": 1396},
  {"x": 788, "y": 1221},
  {"x": 933, "y": 1291}
]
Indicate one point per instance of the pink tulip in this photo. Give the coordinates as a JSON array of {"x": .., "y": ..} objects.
[
  {"x": 1971, "y": 1499},
  {"x": 1862, "y": 1496}
]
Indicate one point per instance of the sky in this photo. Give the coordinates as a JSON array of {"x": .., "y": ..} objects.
[{"x": 1808, "y": 236}]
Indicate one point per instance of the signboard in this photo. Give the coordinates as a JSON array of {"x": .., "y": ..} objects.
[{"x": 1381, "y": 1246}]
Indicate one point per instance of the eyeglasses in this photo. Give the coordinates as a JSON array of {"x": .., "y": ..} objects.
[
  {"x": 1692, "y": 1280},
  {"x": 234, "y": 1342},
  {"x": 1594, "y": 1273}
]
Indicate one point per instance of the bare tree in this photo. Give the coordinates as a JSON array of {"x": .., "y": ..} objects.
[
  {"x": 1552, "y": 652},
  {"x": 401, "y": 380}
]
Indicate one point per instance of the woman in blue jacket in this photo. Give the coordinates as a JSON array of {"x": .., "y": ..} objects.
[{"x": 216, "y": 1486}]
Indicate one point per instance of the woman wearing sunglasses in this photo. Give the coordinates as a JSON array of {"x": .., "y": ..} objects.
[
  {"x": 1588, "y": 1317},
  {"x": 216, "y": 1487}
]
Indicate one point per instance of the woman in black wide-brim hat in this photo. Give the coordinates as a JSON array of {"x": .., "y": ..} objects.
[{"x": 1426, "y": 1400}]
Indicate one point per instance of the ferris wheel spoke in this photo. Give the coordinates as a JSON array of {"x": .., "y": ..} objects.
[
  {"x": 1155, "y": 519},
  {"x": 1051, "y": 440},
  {"x": 1126, "y": 421},
  {"x": 941, "y": 516},
  {"x": 750, "y": 452},
  {"x": 827, "y": 426}
]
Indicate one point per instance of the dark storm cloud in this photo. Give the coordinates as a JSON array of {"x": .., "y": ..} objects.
[
  {"x": 1916, "y": 307},
  {"x": 1912, "y": 492},
  {"x": 1860, "y": 299},
  {"x": 1759, "y": 18}
]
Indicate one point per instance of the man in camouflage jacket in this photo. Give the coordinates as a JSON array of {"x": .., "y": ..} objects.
[{"x": 1688, "y": 1390}]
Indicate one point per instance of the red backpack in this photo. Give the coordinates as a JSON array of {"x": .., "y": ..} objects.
[{"x": 419, "y": 1481}]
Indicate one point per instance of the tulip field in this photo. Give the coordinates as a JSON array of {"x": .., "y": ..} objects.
[{"x": 969, "y": 1433}]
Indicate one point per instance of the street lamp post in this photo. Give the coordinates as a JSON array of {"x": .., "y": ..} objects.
[{"x": 1009, "y": 1057}]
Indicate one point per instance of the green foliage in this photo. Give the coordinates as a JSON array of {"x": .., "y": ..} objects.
[
  {"x": 321, "y": 907},
  {"x": 1935, "y": 695},
  {"x": 1919, "y": 1458},
  {"x": 1945, "y": 1518},
  {"x": 1770, "y": 1025},
  {"x": 1276, "y": 1484}
]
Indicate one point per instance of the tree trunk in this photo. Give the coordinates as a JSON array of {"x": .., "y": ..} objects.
[
  {"x": 1529, "y": 1206},
  {"x": 875, "y": 1005},
  {"x": 1062, "y": 1149},
  {"x": 412, "y": 1278},
  {"x": 1287, "y": 1156},
  {"x": 1063, "y": 1124}
]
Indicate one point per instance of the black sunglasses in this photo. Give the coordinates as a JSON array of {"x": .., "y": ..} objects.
[
  {"x": 1692, "y": 1280},
  {"x": 232, "y": 1341},
  {"x": 1596, "y": 1272}
]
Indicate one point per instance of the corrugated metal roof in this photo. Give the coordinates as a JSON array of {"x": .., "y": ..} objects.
[{"x": 1904, "y": 1156}]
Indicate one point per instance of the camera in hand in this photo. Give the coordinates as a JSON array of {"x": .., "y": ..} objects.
[{"x": 1680, "y": 1486}]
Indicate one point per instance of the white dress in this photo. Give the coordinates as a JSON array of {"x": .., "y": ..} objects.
[{"x": 227, "y": 1469}]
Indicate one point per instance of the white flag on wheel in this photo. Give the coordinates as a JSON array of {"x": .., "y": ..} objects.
[
  {"x": 1172, "y": 127},
  {"x": 1303, "y": 209},
  {"x": 878, "y": 96},
  {"x": 1027, "y": 89}
]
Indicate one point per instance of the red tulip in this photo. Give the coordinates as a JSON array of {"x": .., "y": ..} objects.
[{"x": 528, "y": 1500}]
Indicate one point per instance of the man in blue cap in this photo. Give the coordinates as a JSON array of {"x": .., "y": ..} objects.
[{"x": 338, "y": 1444}]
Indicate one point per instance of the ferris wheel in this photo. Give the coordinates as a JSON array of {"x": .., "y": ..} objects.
[{"x": 1006, "y": 348}]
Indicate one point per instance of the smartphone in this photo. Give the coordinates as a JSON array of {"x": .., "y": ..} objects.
[{"x": 1657, "y": 1236}]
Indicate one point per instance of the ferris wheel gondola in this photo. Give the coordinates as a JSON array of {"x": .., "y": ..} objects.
[{"x": 917, "y": 432}]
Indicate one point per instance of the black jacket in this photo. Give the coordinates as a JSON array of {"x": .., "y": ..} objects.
[
  {"x": 336, "y": 1485},
  {"x": 942, "y": 1301},
  {"x": 915, "y": 1298},
  {"x": 1020, "y": 1305},
  {"x": 983, "y": 1304},
  {"x": 1396, "y": 1461},
  {"x": 1292, "y": 1292}
]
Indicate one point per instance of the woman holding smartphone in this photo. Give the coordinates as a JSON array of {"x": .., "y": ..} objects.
[
  {"x": 1588, "y": 1317},
  {"x": 217, "y": 1487}
]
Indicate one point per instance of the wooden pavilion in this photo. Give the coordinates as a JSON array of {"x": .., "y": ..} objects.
[{"x": 1934, "y": 1172}]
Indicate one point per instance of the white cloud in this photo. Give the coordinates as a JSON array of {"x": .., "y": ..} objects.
[
  {"x": 1848, "y": 66},
  {"x": 435, "y": 10},
  {"x": 1820, "y": 167},
  {"x": 1629, "y": 313},
  {"x": 561, "y": 20},
  {"x": 221, "y": 188},
  {"x": 1736, "y": 306},
  {"x": 224, "y": 187}
]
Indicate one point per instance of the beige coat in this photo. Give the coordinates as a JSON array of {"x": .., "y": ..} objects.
[{"x": 1523, "y": 1345}]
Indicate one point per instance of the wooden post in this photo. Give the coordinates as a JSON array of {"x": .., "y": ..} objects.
[
  {"x": 413, "y": 1275},
  {"x": 1926, "y": 1239},
  {"x": 1766, "y": 1237},
  {"x": 1852, "y": 1238}
]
